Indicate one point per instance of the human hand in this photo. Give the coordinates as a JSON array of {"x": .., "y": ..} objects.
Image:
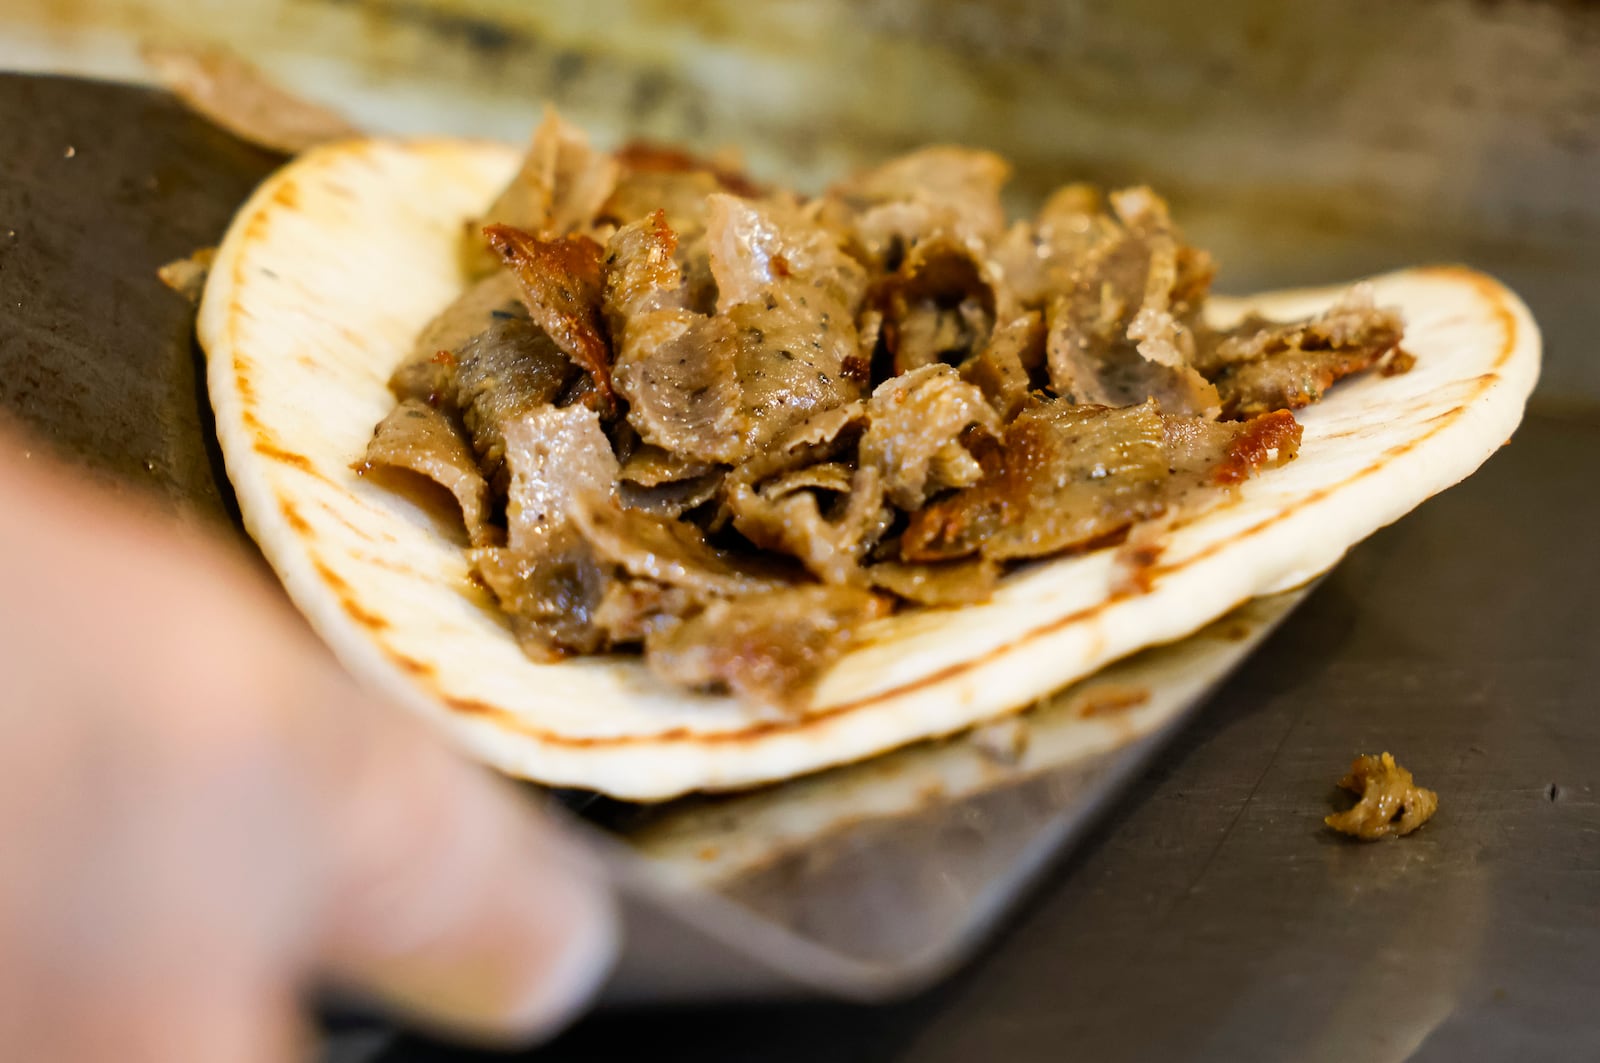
[{"x": 200, "y": 814}]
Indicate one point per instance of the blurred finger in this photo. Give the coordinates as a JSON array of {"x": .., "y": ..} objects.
[{"x": 454, "y": 901}]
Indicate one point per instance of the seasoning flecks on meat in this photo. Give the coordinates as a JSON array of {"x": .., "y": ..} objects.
[
  {"x": 755, "y": 247},
  {"x": 1261, "y": 365},
  {"x": 911, "y": 419},
  {"x": 791, "y": 294},
  {"x": 561, "y": 283},
  {"x": 676, "y": 368},
  {"x": 417, "y": 437},
  {"x": 768, "y": 648}
]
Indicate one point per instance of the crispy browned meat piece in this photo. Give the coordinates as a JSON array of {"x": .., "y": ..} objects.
[
  {"x": 1391, "y": 803},
  {"x": 1070, "y": 475},
  {"x": 767, "y": 648},
  {"x": 644, "y": 156},
  {"x": 561, "y": 285},
  {"x": 187, "y": 275},
  {"x": 1261, "y": 365},
  {"x": 418, "y": 438}
]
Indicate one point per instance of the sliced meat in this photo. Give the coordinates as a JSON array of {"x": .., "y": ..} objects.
[
  {"x": 428, "y": 376},
  {"x": 829, "y": 540},
  {"x": 678, "y": 371},
  {"x": 940, "y": 189},
  {"x": 560, "y": 281},
  {"x": 1070, "y": 475},
  {"x": 1002, "y": 370},
  {"x": 944, "y": 583},
  {"x": 644, "y": 156},
  {"x": 546, "y": 577},
  {"x": 818, "y": 438},
  {"x": 641, "y": 273},
  {"x": 1041, "y": 257},
  {"x": 832, "y": 476},
  {"x": 1204, "y": 453},
  {"x": 673, "y": 498},
  {"x": 796, "y": 355},
  {"x": 651, "y": 466},
  {"x": 941, "y": 304},
  {"x": 911, "y": 420},
  {"x": 677, "y": 368},
  {"x": 768, "y": 648},
  {"x": 666, "y": 484},
  {"x": 555, "y": 456},
  {"x": 551, "y": 593},
  {"x": 1261, "y": 365},
  {"x": 754, "y": 247},
  {"x": 792, "y": 294},
  {"x": 559, "y": 189},
  {"x": 630, "y": 609},
  {"x": 501, "y": 375},
  {"x": 669, "y": 551},
  {"x": 419, "y": 438},
  {"x": 680, "y": 196},
  {"x": 1123, "y": 331}
]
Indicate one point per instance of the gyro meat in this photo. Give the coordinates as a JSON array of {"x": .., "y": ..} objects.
[{"x": 730, "y": 426}]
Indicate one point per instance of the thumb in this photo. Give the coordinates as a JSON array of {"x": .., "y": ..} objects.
[{"x": 454, "y": 901}]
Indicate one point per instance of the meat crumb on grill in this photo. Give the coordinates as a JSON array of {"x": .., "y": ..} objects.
[{"x": 1391, "y": 803}]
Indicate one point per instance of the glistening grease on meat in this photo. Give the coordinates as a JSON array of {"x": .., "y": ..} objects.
[{"x": 730, "y": 426}]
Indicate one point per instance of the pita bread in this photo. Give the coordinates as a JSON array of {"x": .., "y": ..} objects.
[{"x": 338, "y": 260}]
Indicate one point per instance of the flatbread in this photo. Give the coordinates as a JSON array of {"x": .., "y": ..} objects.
[{"x": 339, "y": 259}]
